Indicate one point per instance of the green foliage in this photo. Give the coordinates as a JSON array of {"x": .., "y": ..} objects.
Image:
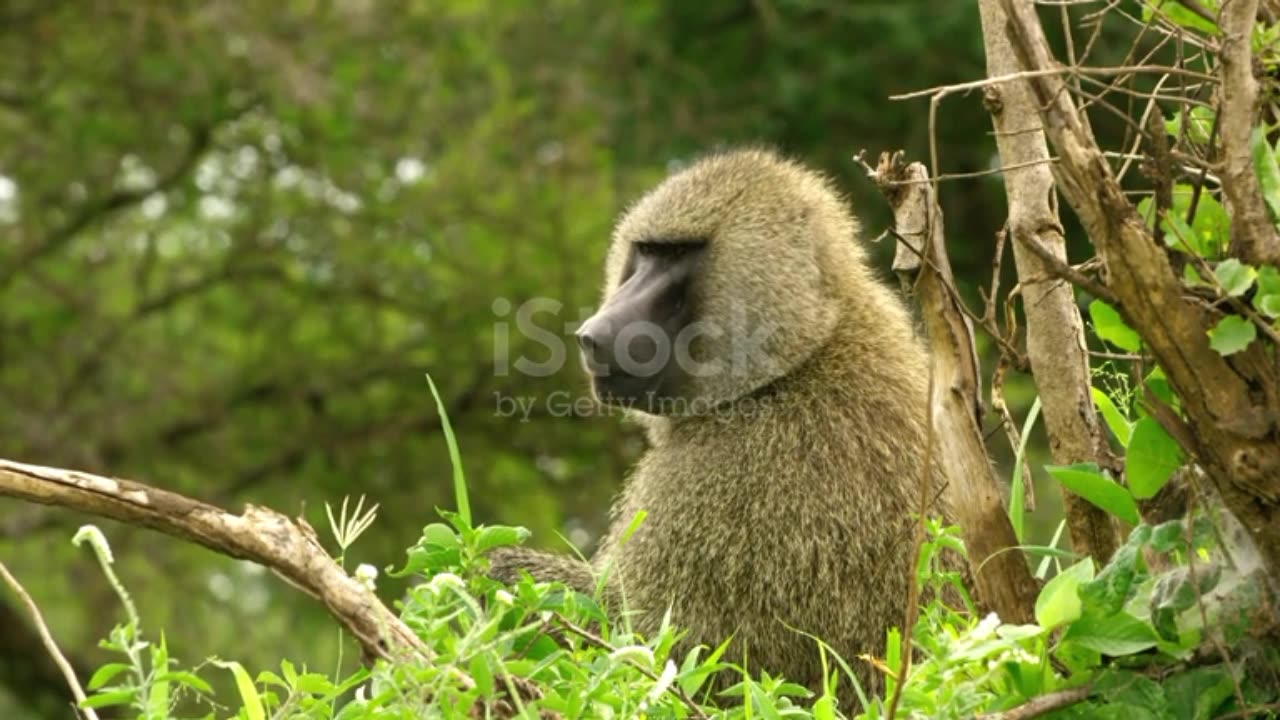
[
  {"x": 1152, "y": 458},
  {"x": 1232, "y": 334},
  {"x": 1109, "y": 326},
  {"x": 535, "y": 648},
  {"x": 1092, "y": 484}
]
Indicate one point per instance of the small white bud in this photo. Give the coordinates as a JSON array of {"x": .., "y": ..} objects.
[
  {"x": 638, "y": 654},
  {"x": 367, "y": 576},
  {"x": 446, "y": 580},
  {"x": 96, "y": 539},
  {"x": 667, "y": 677}
]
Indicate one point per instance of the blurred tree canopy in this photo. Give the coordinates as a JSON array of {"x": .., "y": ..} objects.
[{"x": 235, "y": 235}]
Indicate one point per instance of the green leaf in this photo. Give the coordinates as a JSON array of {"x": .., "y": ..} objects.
[
  {"x": 315, "y": 684},
  {"x": 1087, "y": 481},
  {"x": 482, "y": 674},
  {"x": 1192, "y": 278},
  {"x": 1268, "y": 280},
  {"x": 1264, "y": 163},
  {"x": 1116, "y": 421},
  {"x": 108, "y": 699},
  {"x": 441, "y": 535},
  {"x": 1152, "y": 459},
  {"x": 189, "y": 679},
  {"x": 500, "y": 535},
  {"x": 1108, "y": 325},
  {"x": 1114, "y": 635},
  {"x": 1268, "y": 298},
  {"x": 1179, "y": 14},
  {"x": 104, "y": 674},
  {"x": 1199, "y": 693},
  {"x": 1109, "y": 591},
  {"x": 1199, "y": 124},
  {"x": 1232, "y": 334},
  {"x": 1017, "y": 503},
  {"x": 248, "y": 693},
  {"x": 455, "y": 458},
  {"x": 1269, "y": 305},
  {"x": 1235, "y": 277},
  {"x": 1059, "y": 601},
  {"x": 1209, "y": 232}
]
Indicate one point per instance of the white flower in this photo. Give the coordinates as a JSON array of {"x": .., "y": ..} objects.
[
  {"x": 366, "y": 575},
  {"x": 638, "y": 654},
  {"x": 664, "y": 681},
  {"x": 504, "y": 597},
  {"x": 446, "y": 580},
  {"x": 986, "y": 628}
]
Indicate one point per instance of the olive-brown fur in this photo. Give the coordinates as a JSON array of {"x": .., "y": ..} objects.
[{"x": 786, "y": 507}]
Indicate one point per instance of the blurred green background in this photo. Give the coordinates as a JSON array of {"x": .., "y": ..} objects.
[{"x": 235, "y": 235}]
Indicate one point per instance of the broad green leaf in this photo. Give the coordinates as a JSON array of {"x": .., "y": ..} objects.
[
  {"x": 1152, "y": 459},
  {"x": 440, "y": 534},
  {"x": 1264, "y": 163},
  {"x": 1235, "y": 277},
  {"x": 1109, "y": 591},
  {"x": 1199, "y": 693},
  {"x": 500, "y": 535},
  {"x": 108, "y": 699},
  {"x": 1108, "y": 325},
  {"x": 1059, "y": 601},
  {"x": 1087, "y": 481},
  {"x": 482, "y": 674},
  {"x": 1268, "y": 298},
  {"x": 1268, "y": 280},
  {"x": 104, "y": 674},
  {"x": 1199, "y": 124},
  {"x": 1115, "y": 635},
  {"x": 1269, "y": 305},
  {"x": 1209, "y": 231},
  {"x": 1116, "y": 421},
  {"x": 1232, "y": 334},
  {"x": 1179, "y": 14}
]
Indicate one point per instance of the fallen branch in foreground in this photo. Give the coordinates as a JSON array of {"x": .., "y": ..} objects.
[{"x": 288, "y": 547}]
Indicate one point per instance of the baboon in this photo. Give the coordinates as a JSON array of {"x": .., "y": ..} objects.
[{"x": 783, "y": 390}]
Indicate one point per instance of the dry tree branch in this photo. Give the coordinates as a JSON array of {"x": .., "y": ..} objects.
[
  {"x": 1055, "y": 331},
  {"x": 289, "y": 548},
  {"x": 1042, "y": 705},
  {"x": 1253, "y": 237},
  {"x": 50, "y": 646},
  {"x": 1233, "y": 431},
  {"x": 1002, "y": 579}
]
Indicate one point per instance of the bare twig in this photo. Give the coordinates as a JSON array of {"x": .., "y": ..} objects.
[
  {"x": 50, "y": 646},
  {"x": 1047, "y": 72},
  {"x": 1042, "y": 705}
]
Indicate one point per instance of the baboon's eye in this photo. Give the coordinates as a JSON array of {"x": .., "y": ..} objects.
[{"x": 668, "y": 249}]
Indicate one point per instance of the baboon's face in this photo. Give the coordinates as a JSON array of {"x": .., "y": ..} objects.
[
  {"x": 714, "y": 288},
  {"x": 637, "y": 348}
]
